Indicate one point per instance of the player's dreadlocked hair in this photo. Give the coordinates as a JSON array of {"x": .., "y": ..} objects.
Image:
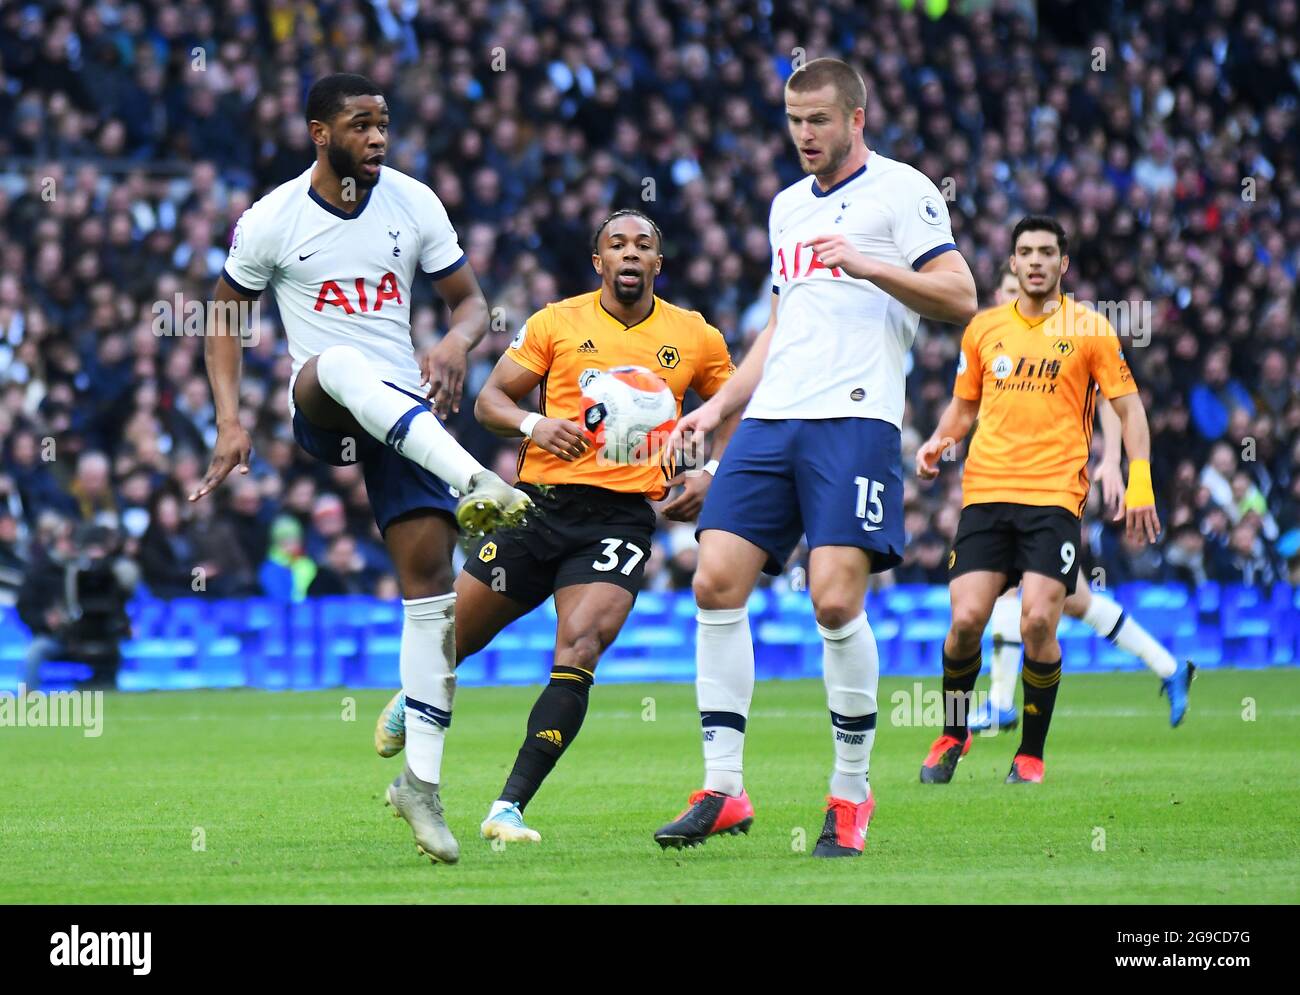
[
  {"x": 325, "y": 99},
  {"x": 623, "y": 213}
]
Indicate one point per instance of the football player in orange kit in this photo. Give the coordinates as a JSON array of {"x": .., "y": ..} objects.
[
  {"x": 1028, "y": 369},
  {"x": 592, "y": 534}
]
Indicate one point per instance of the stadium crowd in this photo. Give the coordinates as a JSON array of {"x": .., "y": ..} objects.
[{"x": 133, "y": 135}]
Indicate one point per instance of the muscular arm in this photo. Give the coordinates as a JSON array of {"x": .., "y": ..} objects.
[
  {"x": 954, "y": 425},
  {"x": 464, "y": 299},
  {"x": 497, "y": 407},
  {"x": 1142, "y": 523},
  {"x": 443, "y": 366},
  {"x": 1109, "y": 474},
  {"x": 943, "y": 289},
  {"x": 223, "y": 352},
  {"x": 1111, "y": 432},
  {"x": 498, "y": 410},
  {"x": 956, "y": 420},
  {"x": 223, "y": 356},
  {"x": 1132, "y": 419}
]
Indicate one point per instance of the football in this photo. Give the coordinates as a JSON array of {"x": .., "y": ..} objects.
[{"x": 628, "y": 413}]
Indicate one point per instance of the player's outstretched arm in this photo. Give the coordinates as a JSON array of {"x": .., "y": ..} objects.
[
  {"x": 498, "y": 410},
  {"x": 443, "y": 366},
  {"x": 943, "y": 289},
  {"x": 223, "y": 356},
  {"x": 1110, "y": 474},
  {"x": 954, "y": 425},
  {"x": 1142, "y": 522}
]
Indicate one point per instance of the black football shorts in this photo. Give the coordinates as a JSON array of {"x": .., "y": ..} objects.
[
  {"x": 1016, "y": 539},
  {"x": 578, "y": 535}
]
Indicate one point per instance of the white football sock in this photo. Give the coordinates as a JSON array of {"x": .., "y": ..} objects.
[
  {"x": 428, "y": 670},
  {"x": 724, "y": 687},
  {"x": 851, "y": 670},
  {"x": 1005, "y": 624},
  {"x": 394, "y": 418},
  {"x": 1105, "y": 617}
]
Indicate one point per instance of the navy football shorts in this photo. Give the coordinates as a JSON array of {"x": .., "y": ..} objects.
[
  {"x": 394, "y": 483},
  {"x": 837, "y": 480}
]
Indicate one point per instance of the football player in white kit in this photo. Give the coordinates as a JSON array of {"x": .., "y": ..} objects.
[
  {"x": 340, "y": 246},
  {"x": 861, "y": 249}
]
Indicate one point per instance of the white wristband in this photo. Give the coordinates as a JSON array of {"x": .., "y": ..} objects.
[
  {"x": 529, "y": 423},
  {"x": 711, "y": 468}
]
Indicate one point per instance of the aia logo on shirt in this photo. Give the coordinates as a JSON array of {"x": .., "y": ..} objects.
[
  {"x": 801, "y": 261},
  {"x": 358, "y": 298}
]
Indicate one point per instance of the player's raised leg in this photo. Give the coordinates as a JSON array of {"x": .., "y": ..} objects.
[
  {"x": 998, "y": 712},
  {"x": 341, "y": 377},
  {"x": 420, "y": 545},
  {"x": 589, "y": 618},
  {"x": 724, "y": 686},
  {"x": 1105, "y": 617},
  {"x": 972, "y": 595},
  {"x": 851, "y": 670},
  {"x": 1041, "y": 601}
]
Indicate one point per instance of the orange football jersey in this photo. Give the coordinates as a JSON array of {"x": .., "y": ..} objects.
[
  {"x": 1035, "y": 381},
  {"x": 569, "y": 339}
]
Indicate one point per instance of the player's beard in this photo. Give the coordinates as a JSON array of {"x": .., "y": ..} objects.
[
  {"x": 835, "y": 157},
  {"x": 1051, "y": 288},
  {"x": 345, "y": 165},
  {"x": 629, "y": 295}
]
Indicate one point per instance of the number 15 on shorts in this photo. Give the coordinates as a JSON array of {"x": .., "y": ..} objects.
[{"x": 870, "y": 507}]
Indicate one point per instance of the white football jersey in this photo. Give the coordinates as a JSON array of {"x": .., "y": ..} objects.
[
  {"x": 343, "y": 279},
  {"x": 840, "y": 345}
]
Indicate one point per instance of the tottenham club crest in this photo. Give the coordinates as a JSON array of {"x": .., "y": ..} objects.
[{"x": 396, "y": 249}]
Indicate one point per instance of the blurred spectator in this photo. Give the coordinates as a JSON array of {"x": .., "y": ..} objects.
[
  {"x": 1185, "y": 556},
  {"x": 168, "y": 555},
  {"x": 227, "y": 571},
  {"x": 73, "y": 600},
  {"x": 250, "y": 517},
  {"x": 1247, "y": 562},
  {"x": 925, "y": 561},
  {"x": 1217, "y": 396},
  {"x": 343, "y": 571},
  {"x": 287, "y": 572},
  {"x": 32, "y": 478},
  {"x": 328, "y": 521},
  {"x": 92, "y": 489},
  {"x": 12, "y": 563}
]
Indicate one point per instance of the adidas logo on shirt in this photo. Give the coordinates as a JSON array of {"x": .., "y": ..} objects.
[{"x": 588, "y": 346}]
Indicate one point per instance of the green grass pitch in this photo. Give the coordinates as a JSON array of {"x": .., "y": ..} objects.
[{"x": 244, "y": 796}]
